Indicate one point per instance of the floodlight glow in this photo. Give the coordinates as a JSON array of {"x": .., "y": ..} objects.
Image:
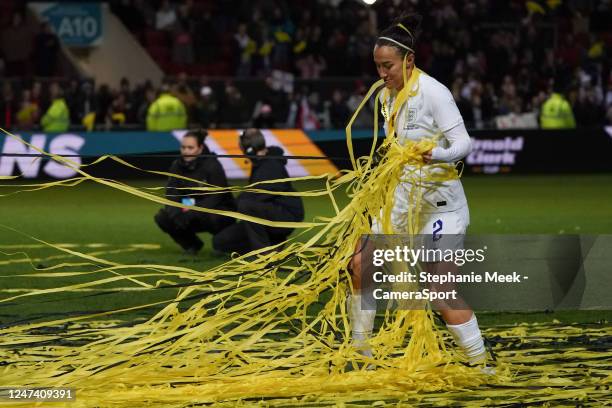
[{"x": 369, "y": 2}]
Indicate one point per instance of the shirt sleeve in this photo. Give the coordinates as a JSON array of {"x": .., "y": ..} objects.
[
  {"x": 444, "y": 109},
  {"x": 460, "y": 145}
]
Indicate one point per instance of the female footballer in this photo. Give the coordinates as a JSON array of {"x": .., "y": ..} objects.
[{"x": 426, "y": 108}]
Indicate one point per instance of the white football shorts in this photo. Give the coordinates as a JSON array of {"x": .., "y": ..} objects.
[{"x": 439, "y": 230}]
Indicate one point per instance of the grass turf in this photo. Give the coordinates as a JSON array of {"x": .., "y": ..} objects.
[{"x": 91, "y": 213}]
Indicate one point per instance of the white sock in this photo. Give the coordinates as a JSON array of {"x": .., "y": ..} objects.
[
  {"x": 468, "y": 337},
  {"x": 362, "y": 324}
]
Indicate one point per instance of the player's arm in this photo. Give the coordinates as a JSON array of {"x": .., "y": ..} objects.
[
  {"x": 449, "y": 120},
  {"x": 460, "y": 145}
]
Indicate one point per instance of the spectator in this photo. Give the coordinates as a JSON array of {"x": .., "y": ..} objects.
[
  {"x": 166, "y": 113},
  {"x": 16, "y": 47},
  {"x": 182, "y": 50},
  {"x": 336, "y": 46},
  {"x": 165, "y": 17},
  {"x": 339, "y": 113},
  {"x": 183, "y": 92},
  {"x": 302, "y": 111},
  {"x": 104, "y": 99},
  {"x": 245, "y": 236},
  {"x": 263, "y": 116},
  {"x": 207, "y": 108},
  {"x": 310, "y": 66},
  {"x": 271, "y": 107},
  {"x": 57, "y": 117},
  {"x": 8, "y": 106},
  {"x": 205, "y": 37},
  {"x": 458, "y": 89},
  {"x": 182, "y": 224},
  {"x": 27, "y": 116},
  {"x": 282, "y": 29},
  {"x": 509, "y": 100},
  {"x": 300, "y": 43},
  {"x": 235, "y": 108},
  {"x": 589, "y": 111},
  {"x": 556, "y": 111},
  {"x": 116, "y": 115},
  {"x": 244, "y": 48},
  {"x": 46, "y": 50},
  {"x": 608, "y": 100},
  {"x": 265, "y": 52},
  {"x": 149, "y": 98},
  {"x": 72, "y": 97},
  {"x": 308, "y": 118},
  {"x": 466, "y": 41},
  {"x": 38, "y": 97},
  {"x": 128, "y": 99},
  {"x": 364, "y": 120},
  {"x": 86, "y": 106},
  {"x": 359, "y": 48}
]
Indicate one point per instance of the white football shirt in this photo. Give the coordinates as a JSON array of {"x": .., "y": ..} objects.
[{"x": 430, "y": 112}]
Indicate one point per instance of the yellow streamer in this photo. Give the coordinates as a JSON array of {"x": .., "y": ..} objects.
[{"x": 272, "y": 325}]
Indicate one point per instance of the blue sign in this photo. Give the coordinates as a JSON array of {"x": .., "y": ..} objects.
[
  {"x": 76, "y": 24},
  {"x": 17, "y": 157}
]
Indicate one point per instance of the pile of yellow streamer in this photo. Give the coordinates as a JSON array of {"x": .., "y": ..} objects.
[{"x": 271, "y": 329}]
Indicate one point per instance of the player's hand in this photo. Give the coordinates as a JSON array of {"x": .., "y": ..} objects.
[{"x": 427, "y": 156}]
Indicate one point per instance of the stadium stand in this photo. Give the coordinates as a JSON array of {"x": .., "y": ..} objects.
[{"x": 306, "y": 61}]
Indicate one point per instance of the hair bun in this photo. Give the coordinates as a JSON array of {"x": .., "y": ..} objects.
[{"x": 410, "y": 21}]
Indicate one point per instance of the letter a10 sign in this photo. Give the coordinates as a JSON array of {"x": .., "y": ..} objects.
[{"x": 76, "y": 24}]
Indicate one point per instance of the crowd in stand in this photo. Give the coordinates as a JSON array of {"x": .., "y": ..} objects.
[
  {"x": 223, "y": 104},
  {"x": 27, "y": 52},
  {"x": 498, "y": 58}
]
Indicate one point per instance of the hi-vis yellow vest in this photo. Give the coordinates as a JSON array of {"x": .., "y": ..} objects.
[
  {"x": 166, "y": 113},
  {"x": 57, "y": 117},
  {"x": 557, "y": 113}
]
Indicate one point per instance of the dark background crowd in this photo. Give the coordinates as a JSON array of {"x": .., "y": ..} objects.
[{"x": 307, "y": 63}]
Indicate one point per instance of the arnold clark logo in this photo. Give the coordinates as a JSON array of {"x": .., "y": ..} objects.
[{"x": 493, "y": 153}]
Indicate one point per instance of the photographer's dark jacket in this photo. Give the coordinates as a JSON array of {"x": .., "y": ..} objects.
[
  {"x": 265, "y": 169},
  {"x": 206, "y": 169}
]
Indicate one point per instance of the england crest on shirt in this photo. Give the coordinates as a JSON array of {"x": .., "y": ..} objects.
[
  {"x": 412, "y": 113},
  {"x": 410, "y": 118}
]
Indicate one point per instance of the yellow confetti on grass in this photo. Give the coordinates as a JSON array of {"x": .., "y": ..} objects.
[{"x": 271, "y": 329}]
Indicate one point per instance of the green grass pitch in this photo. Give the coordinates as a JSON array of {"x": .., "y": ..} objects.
[{"x": 92, "y": 213}]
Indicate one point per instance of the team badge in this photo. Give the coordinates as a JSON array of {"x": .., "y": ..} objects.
[{"x": 412, "y": 112}]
